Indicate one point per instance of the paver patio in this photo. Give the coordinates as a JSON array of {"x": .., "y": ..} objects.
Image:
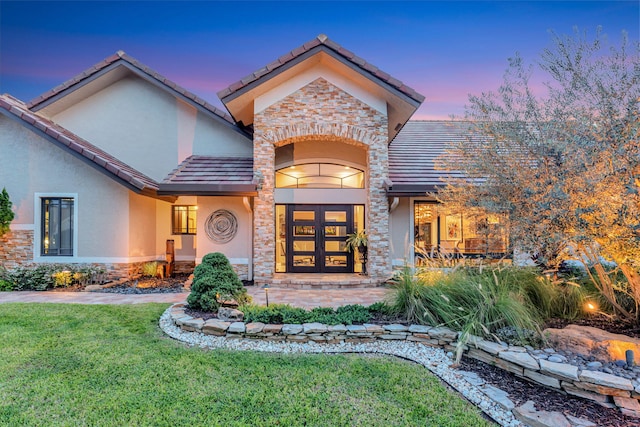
[{"x": 297, "y": 297}]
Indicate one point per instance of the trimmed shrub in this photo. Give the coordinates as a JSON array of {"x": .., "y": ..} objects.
[
  {"x": 355, "y": 313},
  {"x": 202, "y": 270},
  {"x": 48, "y": 276},
  {"x": 216, "y": 260},
  {"x": 5, "y": 285},
  {"x": 284, "y": 313},
  {"x": 214, "y": 281}
]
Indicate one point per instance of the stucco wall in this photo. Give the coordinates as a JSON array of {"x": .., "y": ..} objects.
[
  {"x": 142, "y": 227},
  {"x": 400, "y": 234},
  {"x": 30, "y": 164},
  {"x": 148, "y": 128},
  {"x": 184, "y": 245},
  {"x": 238, "y": 250}
]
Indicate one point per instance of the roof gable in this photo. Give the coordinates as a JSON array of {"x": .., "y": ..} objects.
[
  {"x": 320, "y": 43},
  {"x": 112, "y": 69},
  {"x": 79, "y": 148},
  {"x": 402, "y": 100}
]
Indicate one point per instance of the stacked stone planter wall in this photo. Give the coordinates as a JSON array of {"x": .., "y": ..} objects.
[{"x": 608, "y": 390}]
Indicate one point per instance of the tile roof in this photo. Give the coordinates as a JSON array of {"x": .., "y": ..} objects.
[
  {"x": 207, "y": 175},
  {"x": 120, "y": 56},
  {"x": 414, "y": 153},
  {"x": 212, "y": 170},
  {"x": 72, "y": 143},
  {"x": 317, "y": 43}
]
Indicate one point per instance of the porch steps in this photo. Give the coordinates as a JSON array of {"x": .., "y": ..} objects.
[{"x": 322, "y": 281}]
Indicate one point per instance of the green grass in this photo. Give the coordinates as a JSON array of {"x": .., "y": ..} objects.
[{"x": 69, "y": 365}]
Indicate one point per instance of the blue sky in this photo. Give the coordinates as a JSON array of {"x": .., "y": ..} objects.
[{"x": 444, "y": 50}]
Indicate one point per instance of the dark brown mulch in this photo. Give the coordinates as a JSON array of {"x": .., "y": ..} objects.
[
  {"x": 148, "y": 285},
  {"x": 205, "y": 315},
  {"x": 605, "y": 323},
  {"x": 520, "y": 391}
]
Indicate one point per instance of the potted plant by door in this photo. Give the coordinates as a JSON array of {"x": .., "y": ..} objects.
[{"x": 358, "y": 240}]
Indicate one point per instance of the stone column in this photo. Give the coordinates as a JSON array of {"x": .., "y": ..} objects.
[
  {"x": 379, "y": 261},
  {"x": 264, "y": 220}
]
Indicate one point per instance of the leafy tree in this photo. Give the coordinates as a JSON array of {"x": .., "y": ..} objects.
[
  {"x": 6, "y": 214},
  {"x": 563, "y": 167}
]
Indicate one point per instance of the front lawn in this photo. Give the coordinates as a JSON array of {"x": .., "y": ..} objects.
[{"x": 67, "y": 364}]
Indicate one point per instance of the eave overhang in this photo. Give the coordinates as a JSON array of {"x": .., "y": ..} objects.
[
  {"x": 402, "y": 101},
  {"x": 237, "y": 190}
]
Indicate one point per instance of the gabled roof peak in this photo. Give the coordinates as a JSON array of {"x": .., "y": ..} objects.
[
  {"x": 121, "y": 172},
  {"x": 120, "y": 57},
  {"x": 318, "y": 42}
]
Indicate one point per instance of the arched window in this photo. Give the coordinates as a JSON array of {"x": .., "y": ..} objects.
[{"x": 319, "y": 175}]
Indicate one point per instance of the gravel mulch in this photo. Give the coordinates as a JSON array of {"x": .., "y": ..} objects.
[{"x": 520, "y": 391}]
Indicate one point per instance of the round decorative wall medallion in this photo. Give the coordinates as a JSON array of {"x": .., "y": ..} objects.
[{"x": 221, "y": 226}]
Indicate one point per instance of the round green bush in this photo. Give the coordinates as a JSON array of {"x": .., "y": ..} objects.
[
  {"x": 202, "y": 270},
  {"x": 217, "y": 260},
  {"x": 214, "y": 282}
]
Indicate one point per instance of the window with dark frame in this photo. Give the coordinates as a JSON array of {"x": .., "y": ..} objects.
[
  {"x": 184, "y": 219},
  {"x": 57, "y": 226}
]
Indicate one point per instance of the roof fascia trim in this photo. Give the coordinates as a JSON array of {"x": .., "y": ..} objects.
[
  {"x": 305, "y": 56},
  {"x": 122, "y": 62},
  {"x": 410, "y": 190},
  {"x": 208, "y": 189},
  {"x": 66, "y": 91}
]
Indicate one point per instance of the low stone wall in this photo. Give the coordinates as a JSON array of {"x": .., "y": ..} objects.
[{"x": 607, "y": 390}]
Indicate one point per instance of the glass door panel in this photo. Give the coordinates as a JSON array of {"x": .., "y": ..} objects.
[
  {"x": 331, "y": 216},
  {"x": 304, "y": 246},
  {"x": 316, "y": 238}
]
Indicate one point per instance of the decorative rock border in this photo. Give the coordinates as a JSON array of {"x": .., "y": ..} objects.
[
  {"x": 433, "y": 358},
  {"x": 425, "y": 345}
]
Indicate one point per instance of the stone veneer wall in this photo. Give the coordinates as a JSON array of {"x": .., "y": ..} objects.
[
  {"x": 242, "y": 270},
  {"x": 605, "y": 389},
  {"x": 16, "y": 248},
  {"x": 320, "y": 112}
]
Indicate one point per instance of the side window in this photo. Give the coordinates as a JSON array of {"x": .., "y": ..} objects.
[
  {"x": 57, "y": 226},
  {"x": 183, "y": 219}
]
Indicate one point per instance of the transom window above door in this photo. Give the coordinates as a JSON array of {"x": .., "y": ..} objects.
[{"x": 319, "y": 175}]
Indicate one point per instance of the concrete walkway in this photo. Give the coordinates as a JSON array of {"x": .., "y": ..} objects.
[{"x": 296, "y": 297}]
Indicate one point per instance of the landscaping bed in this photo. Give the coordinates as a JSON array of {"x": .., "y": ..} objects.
[
  {"x": 520, "y": 391},
  {"x": 148, "y": 285}
]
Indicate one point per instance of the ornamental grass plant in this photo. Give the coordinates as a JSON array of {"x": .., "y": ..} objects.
[{"x": 479, "y": 301}]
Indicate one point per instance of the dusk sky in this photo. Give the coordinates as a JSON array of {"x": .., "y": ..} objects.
[{"x": 444, "y": 50}]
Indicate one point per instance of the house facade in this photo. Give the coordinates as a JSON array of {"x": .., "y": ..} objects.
[{"x": 119, "y": 164}]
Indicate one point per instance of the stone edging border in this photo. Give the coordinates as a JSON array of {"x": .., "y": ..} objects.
[
  {"x": 421, "y": 344},
  {"x": 432, "y": 358}
]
